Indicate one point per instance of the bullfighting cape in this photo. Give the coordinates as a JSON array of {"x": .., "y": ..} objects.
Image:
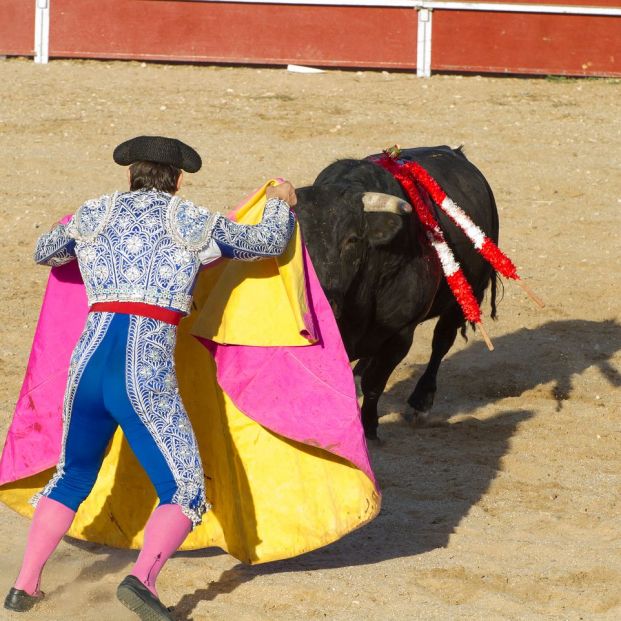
[{"x": 267, "y": 385}]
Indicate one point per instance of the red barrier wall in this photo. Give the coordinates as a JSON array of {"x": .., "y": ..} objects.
[
  {"x": 528, "y": 43},
  {"x": 17, "y": 27},
  {"x": 230, "y": 32},
  {"x": 318, "y": 35}
]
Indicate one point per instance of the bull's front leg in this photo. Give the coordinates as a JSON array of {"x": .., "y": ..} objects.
[
  {"x": 421, "y": 400},
  {"x": 375, "y": 375}
]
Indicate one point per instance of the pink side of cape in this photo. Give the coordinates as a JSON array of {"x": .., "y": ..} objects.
[
  {"x": 34, "y": 438},
  {"x": 306, "y": 394}
]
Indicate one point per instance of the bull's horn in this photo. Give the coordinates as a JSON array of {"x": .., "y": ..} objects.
[{"x": 377, "y": 201}]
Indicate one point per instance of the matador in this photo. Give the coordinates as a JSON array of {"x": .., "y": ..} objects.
[{"x": 139, "y": 253}]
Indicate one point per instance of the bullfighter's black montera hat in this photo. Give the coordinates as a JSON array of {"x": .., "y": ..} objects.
[{"x": 158, "y": 149}]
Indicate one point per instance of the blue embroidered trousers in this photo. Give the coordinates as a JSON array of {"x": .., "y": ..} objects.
[{"x": 122, "y": 373}]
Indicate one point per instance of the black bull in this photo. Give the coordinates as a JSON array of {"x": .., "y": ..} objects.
[{"x": 380, "y": 274}]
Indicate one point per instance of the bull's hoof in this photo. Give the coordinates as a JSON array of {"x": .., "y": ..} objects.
[
  {"x": 422, "y": 419},
  {"x": 422, "y": 399}
]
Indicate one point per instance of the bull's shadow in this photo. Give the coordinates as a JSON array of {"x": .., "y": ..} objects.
[
  {"x": 431, "y": 477},
  {"x": 554, "y": 353}
]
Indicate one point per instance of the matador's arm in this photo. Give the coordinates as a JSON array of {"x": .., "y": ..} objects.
[
  {"x": 249, "y": 242},
  {"x": 55, "y": 247}
]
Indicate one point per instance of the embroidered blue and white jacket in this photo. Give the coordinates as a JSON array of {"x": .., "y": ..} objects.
[{"x": 148, "y": 246}]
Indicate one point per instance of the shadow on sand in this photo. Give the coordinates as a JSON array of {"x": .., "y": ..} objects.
[
  {"x": 431, "y": 477},
  {"x": 424, "y": 499},
  {"x": 554, "y": 353}
]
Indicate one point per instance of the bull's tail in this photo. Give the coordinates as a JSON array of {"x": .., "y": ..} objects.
[
  {"x": 495, "y": 278},
  {"x": 495, "y": 281}
]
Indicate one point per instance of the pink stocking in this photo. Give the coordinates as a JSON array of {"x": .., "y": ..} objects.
[
  {"x": 50, "y": 522},
  {"x": 165, "y": 531}
]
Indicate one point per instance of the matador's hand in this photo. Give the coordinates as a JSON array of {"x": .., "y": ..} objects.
[{"x": 285, "y": 191}]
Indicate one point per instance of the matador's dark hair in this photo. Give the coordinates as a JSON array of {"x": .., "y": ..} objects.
[{"x": 153, "y": 176}]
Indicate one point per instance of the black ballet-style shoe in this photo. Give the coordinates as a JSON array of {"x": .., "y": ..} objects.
[
  {"x": 135, "y": 596},
  {"x": 20, "y": 601}
]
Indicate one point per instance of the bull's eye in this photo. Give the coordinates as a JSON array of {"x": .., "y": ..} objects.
[{"x": 351, "y": 242}]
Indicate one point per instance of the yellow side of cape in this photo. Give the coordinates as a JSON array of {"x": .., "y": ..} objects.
[
  {"x": 272, "y": 497},
  {"x": 259, "y": 303}
]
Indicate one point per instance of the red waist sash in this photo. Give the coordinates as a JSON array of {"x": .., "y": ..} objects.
[{"x": 139, "y": 308}]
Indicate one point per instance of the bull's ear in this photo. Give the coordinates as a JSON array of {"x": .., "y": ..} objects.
[
  {"x": 384, "y": 214},
  {"x": 382, "y": 228}
]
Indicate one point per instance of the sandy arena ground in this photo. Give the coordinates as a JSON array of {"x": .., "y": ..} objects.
[{"x": 511, "y": 509}]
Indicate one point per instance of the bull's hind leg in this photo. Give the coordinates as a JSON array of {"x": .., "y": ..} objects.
[
  {"x": 421, "y": 400},
  {"x": 375, "y": 374}
]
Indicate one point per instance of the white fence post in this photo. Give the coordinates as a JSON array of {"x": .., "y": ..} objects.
[
  {"x": 423, "y": 48},
  {"x": 42, "y": 31}
]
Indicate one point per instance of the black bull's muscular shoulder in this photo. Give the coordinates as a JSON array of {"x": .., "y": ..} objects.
[{"x": 379, "y": 272}]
